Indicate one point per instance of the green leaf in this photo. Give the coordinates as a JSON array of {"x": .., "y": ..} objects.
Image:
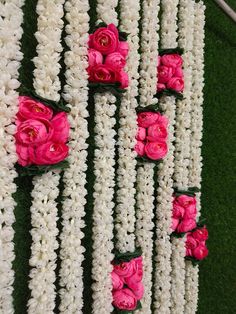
[
  {"x": 194, "y": 261},
  {"x": 113, "y": 88},
  {"x": 169, "y": 51},
  {"x": 126, "y": 257},
  {"x": 190, "y": 192},
  {"x": 55, "y": 106},
  {"x": 169, "y": 92},
  {"x": 123, "y": 36},
  {"x": 152, "y": 108},
  {"x": 178, "y": 234},
  {"x": 144, "y": 159},
  {"x": 39, "y": 170}
]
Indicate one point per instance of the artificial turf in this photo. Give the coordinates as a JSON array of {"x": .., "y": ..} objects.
[{"x": 218, "y": 271}]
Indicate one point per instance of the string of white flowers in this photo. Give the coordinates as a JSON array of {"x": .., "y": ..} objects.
[
  {"x": 162, "y": 279},
  {"x": 45, "y": 191},
  {"x": 182, "y": 149},
  {"x": 103, "y": 206},
  {"x": 145, "y": 173},
  {"x": 11, "y": 18},
  {"x": 195, "y": 165},
  {"x": 76, "y": 95},
  {"x": 126, "y": 174}
]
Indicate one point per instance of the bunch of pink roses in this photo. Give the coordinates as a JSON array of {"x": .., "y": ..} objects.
[
  {"x": 169, "y": 73},
  {"x": 41, "y": 135},
  {"x": 184, "y": 213},
  {"x": 151, "y": 135},
  {"x": 107, "y": 57},
  {"x": 127, "y": 284},
  {"x": 196, "y": 243}
]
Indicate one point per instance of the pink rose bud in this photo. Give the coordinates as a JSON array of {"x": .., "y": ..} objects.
[
  {"x": 61, "y": 128},
  {"x": 172, "y": 60},
  {"x": 165, "y": 73},
  {"x": 102, "y": 73},
  {"x": 200, "y": 252},
  {"x": 23, "y": 155},
  {"x": 186, "y": 225},
  {"x": 34, "y": 132},
  {"x": 139, "y": 148},
  {"x": 124, "y": 269},
  {"x": 190, "y": 244},
  {"x": 141, "y": 134},
  {"x": 124, "y": 299},
  {"x": 188, "y": 203},
  {"x": 117, "y": 281},
  {"x": 156, "y": 150},
  {"x": 160, "y": 87},
  {"x": 157, "y": 132},
  {"x": 136, "y": 287},
  {"x": 176, "y": 83},
  {"x": 116, "y": 60},
  {"x": 105, "y": 39},
  {"x": 146, "y": 119},
  {"x": 178, "y": 211},
  {"x": 94, "y": 57},
  {"x": 32, "y": 109},
  {"x": 174, "y": 223},
  {"x": 200, "y": 234},
  {"x": 178, "y": 72},
  {"x": 123, "y": 79},
  {"x": 49, "y": 153},
  {"x": 123, "y": 48}
]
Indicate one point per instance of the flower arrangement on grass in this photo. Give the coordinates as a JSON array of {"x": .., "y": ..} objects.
[{"x": 151, "y": 135}]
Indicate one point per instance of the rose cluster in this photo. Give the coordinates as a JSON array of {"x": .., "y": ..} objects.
[
  {"x": 184, "y": 213},
  {"x": 151, "y": 135},
  {"x": 127, "y": 284},
  {"x": 196, "y": 243},
  {"x": 41, "y": 135},
  {"x": 107, "y": 57},
  {"x": 169, "y": 73}
]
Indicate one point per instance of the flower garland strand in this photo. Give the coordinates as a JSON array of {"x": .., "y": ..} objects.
[
  {"x": 76, "y": 95},
  {"x": 104, "y": 163},
  {"x": 44, "y": 207},
  {"x": 11, "y": 18},
  {"x": 125, "y": 209},
  {"x": 145, "y": 173},
  {"x": 182, "y": 149},
  {"x": 162, "y": 284},
  {"x": 195, "y": 165}
]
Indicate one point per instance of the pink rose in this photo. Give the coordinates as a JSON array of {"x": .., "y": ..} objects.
[
  {"x": 34, "y": 132},
  {"x": 105, "y": 39},
  {"x": 123, "y": 78},
  {"x": 186, "y": 225},
  {"x": 158, "y": 60},
  {"x": 141, "y": 134},
  {"x": 23, "y": 155},
  {"x": 123, "y": 48},
  {"x": 102, "y": 73},
  {"x": 176, "y": 83},
  {"x": 116, "y": 60},
  {"x": 178, "y": 211},
  {"x": 178, "y": 72},
  {"x": 160, "y": 87},
  {"x": 146, "y": 119},
  {"x": 165, "y": 73},
  {"x": 124, "y": 299},
  {"x": 94, "y": 57},
  {"x": 156, "y": 150},
  {"x": 140, "y": 148},
  {"x": 200, "y": 252},
  {"x": 163, "y": 120},
  {"x": 188, "y": 203},
  {"x": 200, "y": 234},
  {"x": 124, "y": 269},
  {"x": 190, "y": 244},
  {"x": 49, "y": 153},
  {"x": 117, "y": 282},
  {"x": 172, "y": 60},
  {"x": 157, "y": 132},
  {"x": 138, "y": 268},
  {"x": 32, "y": 109},
  {"x": 61, "y": 128},
  {"x": 136, "y": 287},
  {"x": 174, "y": 223}
]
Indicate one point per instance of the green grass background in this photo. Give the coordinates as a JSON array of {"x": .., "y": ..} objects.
[{"x": 218, "y": 272}]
